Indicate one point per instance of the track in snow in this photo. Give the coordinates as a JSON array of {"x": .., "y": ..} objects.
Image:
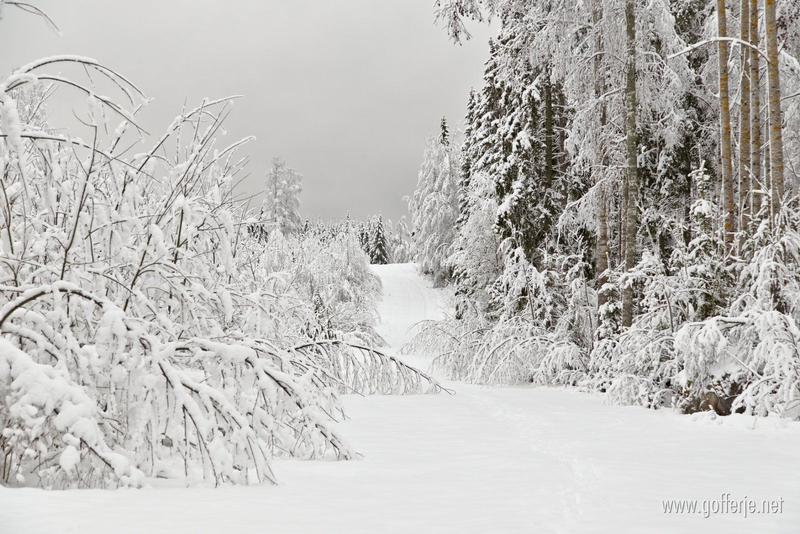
[
  {"x": 408, "y": 298},
  {"x": 518, "y": 459}
]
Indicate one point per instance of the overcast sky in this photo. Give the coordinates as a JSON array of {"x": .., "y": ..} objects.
[{"x": 345, "y": 90}]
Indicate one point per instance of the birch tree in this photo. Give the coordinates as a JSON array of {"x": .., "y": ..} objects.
[
  {"x": 755, "y": 110},
  {"x": 632, "y": 164},
  {"x": 725, "y": 141},
  {"x": 775, "y": 117},
  {"x": 601, "y": 253},
  {"x": 745, "y": 168}
]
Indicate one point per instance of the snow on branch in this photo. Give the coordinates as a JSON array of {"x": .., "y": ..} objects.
[{"x": 368, "y": 370}]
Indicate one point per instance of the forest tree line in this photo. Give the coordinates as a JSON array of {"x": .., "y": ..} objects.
[{"x": 622, "y": 211}]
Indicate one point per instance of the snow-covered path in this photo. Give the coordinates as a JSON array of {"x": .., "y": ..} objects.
[{"x": 484, "y": 460}]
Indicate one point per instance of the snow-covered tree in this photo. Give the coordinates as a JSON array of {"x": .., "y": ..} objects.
[
  {"x": 281, "y": 206},
  {"x": 379, "y": 248},
  {"x": 401, "y": 249},
  {"x": 434, "y": 207}
]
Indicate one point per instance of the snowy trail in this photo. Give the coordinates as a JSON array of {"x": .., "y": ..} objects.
[{"x": 518, "y": 459}]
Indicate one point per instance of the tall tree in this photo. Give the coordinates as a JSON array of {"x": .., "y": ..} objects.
[
  {"x": 632, "y": 165},
  {"x": 379, "y": 249},
  {"x": 467, "y": 153},
  {"x": 755, "y": 111},
  {"x": 601, "y": 249},
  {"x": 775, "y": 118},
  {"x": 725, "y": 141},
  {"x": 281, "y": 207},
  {"x": 434, "y": 208},
  {"x": 444, "y": 132},
  {"x": 745, "y": 170}
]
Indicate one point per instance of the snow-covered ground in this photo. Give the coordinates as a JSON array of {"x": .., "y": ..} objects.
[{"x": 519, "y": 459}]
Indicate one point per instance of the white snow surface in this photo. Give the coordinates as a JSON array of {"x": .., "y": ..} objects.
[{"x": 485, "y": 460}]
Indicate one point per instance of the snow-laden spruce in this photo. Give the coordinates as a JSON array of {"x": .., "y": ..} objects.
[{"x": 149, "y": 328}]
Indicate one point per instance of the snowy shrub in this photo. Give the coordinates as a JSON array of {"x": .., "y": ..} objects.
[
  {"x": 332, "y": 273},
  {"x": 752, "y": 353},
  {"x": 751, "y": 360},
  {"x": 537, "y": 338},
  {"x": 536, "y": 326},
  {"x": 509, "y": 351},
  {"x": 145, "y": 331},
  {"x": 401, "y": 250},
  {"x": 636, "y": 367},
  {"x": 690, "y": 349},
  {"x": 47, "y": 415}
]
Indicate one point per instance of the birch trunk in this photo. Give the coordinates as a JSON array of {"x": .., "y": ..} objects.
[
  {"x": 725, "y": 134},
  {"x": 755, "y": 111},
  {"x": 601, "y": 251},
  {"x": 632, "y": 167},
  {"x": 775, "y": 125},
  {"x": 745, "y": 170}
]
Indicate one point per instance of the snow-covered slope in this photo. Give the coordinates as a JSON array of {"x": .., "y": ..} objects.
[{"x": 484, "y": 460}]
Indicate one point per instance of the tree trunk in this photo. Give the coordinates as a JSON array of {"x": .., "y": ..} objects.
[
  {"x": 755, "y": 112},
  {"x": 745, "y": 171},
  {"x": 601, "y": 251},
  {"x": 549, "y": 137},
  {"x": 632, "y": 168},
  {"x": 619, "y": 223},
  {"x": 775, "y": 125},
  {"x": 725, "y": 119}
]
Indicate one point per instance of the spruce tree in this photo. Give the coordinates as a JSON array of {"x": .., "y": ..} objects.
[{"x": 379, "y": 250}]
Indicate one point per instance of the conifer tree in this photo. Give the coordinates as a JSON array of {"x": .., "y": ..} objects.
[
  {"x": 444, "y": 135},
  {"x": 379, "y": 250}
]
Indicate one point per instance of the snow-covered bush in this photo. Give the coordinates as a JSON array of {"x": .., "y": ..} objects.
[
  {"x": 508, "y": 351},
  {"x": 401, "y": 249},
  {"x": 751, "y": 353},
  {"x": 145, "y": 331},
  {"x": 534, "y": 337}
]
